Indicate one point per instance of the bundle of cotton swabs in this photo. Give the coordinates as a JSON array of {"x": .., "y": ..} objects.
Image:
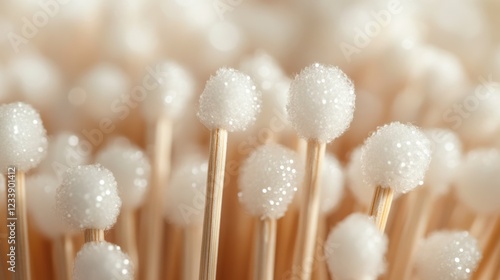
[{"x": 250, "y": 140}]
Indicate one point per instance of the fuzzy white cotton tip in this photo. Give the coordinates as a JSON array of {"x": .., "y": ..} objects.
[
  {"x": 88, "y": 198},
  {"x": 446, "y": 156},
  {"x": 362, "y": 191},
  {"x": 448, "y": 255},
  {"x": 41, "y": 197},
  {"x": 332, "y": 184},
  {"x": 65, "y": 150},
  {"x": 355, "y": 249},
  {"x": 23, "y": 140},
  {"x": 269, "y": 179},
  {"x": 106, "y": 88},
  {"x": 477, "y": 178},
  {"x": 131, "y": 169},
  {"x": 172, "y": 89},
  {"x": 396, "y": 156},
  {"x": 229, "y": 101},
  {"x": 263, "y": 69},
  {"x": 185, "y": 195},
  {"x": 102, "y": 261},
  {"x": 321, "y": 102}
]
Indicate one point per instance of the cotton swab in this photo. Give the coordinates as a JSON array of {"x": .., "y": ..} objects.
[
  {"x": 102, "y": 261},
  {"x": 446, "y": 157},
  {"x": 355, "y": 249},
  {"x": 88, "y": 200},
  {"x": 131, "y": 168},
  {"x": 172, "y": 89},
  {"x": 229, "y": 102},
  {"x": 268, "y": 181},
  {"x": 41, "y": 197},
  {"x": 320, "y": 108},
  {"x": 184, "y": 207},
  {"x": 24, "y": 144},
  {"x": 394, "y": 160},
  {"x": 448, "y": 255}
]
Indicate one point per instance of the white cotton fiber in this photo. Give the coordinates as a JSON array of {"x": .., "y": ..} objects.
[
  {"x": 88, "y": 198},
  {"x": 332, "y": 184},
  {"x": 321, "y": 102},
  {"x": 23, "y": 140},
  {"x": 229, "y": 101},
  {"x": 268, "y": 180},
  {"x": 396, "y": 156}
]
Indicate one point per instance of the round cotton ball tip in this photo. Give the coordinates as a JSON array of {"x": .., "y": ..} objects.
[
  {"x": 477, "y": 178},
  {"x": 65, "y": 150},
  {"x": 263, "y": 69},
  {"x": 396, "y": 156},
  {"x": 332, "y": 184},
  {"x": 88, "y": 198},
  {"x": 355, "y": 249},
  {"x": 448, "y": 255},
  {"x": 185, "y": 195},
  {"x": 131, "y": 169},
  {"x": 362, "y": 191},
  {"x": 268, "y": 181},
  {"x": 446, "y": 156},
  {"x": 41, "y": 197},
  {"x": 174, "y": 89},
  {"x": 23, "y": 140},
  {"x": 229, "y": 101},
  {"x": 102, "y": 261},
  {"x": 321, "y": 102}
]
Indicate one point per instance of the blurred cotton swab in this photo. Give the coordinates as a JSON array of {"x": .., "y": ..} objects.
[
  {"x": 229, "y": 102},
  {"x": 88, "y": 200},
  {"x": 362, "y": 191},
  {"x": 24, "y": 144},
  {"x": 185, "y": 206},
  {"x": 394, "y": 160},
  {"x": 268, "y": 181},
  {"x": 131, "y": 168},
  {"x": 448, "y": 255},
  {"x": 102, "y": 261},
  {"x": 320, "y": 108},
  {"x": 171, "y": 90},
  {"x": 355, "y": 249}
]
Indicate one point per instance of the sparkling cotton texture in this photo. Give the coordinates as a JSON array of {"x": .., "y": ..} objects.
[
  {"x": 448, "y": 255},
  {"x": 321, "y": 103},
  {"x": 185, "y": 195},
  {"x": 172, "y": 89},
  {"x": 477, "y": 181},
  {"x": 229, "y": 101},
  {"x": 269, "y": 179},
  {"x": 22, "y": 137},
  {"x": 88, "y": 198},
  {"x": 131, "y": 169},
  {"x": 102, "y": 261},
  {"x": 332, "y": 184},
  {"x": 355, "y": 249},
  {"x": 396, "y": 156}
]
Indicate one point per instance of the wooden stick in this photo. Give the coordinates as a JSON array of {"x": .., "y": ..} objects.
[
  {"x": 309, "y": 212},
  {"x": 62, "y": 257},
  {"x": 213, "y": 206},
  {"x": 151, "y": 230},
  {"x": 266, "y": 249},
  {"x": 94, "y": 235},
  {"x": 192, "y": 251},
  {"x": 414, "y": 229},
  {"x": 488, "y": 251},
  {"x": 381, "y": 206},
  {"x": 23, "y": 271},
  {"x": 126, "y": 235}
]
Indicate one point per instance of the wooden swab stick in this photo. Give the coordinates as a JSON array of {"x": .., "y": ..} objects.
[
  {"x": 192, "y": 252},
  {"x": 94, "y": 235},
  {"x": 62, "y": 256},
  {"x": 267, "y": 229},
  {"x": 21, "y": 218},
  {"x": 381, "y": 206},
  {"x": 126, "y": 224}
]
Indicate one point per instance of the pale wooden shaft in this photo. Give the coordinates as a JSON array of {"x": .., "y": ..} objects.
[
  {"x": 23, "y": 271},
  {"x": 94, "y": 235},
  {"x": 213, "y": 206},
  {"x": 126, "y": 235},
  {"x": 266, "y": 249},
  {"x": 62, "y": 257},
  {"x": 381, "y": 206},
  {"x": 192, "y": 252}
]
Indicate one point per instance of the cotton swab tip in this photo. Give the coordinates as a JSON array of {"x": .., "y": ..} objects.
[
  {"x": 88, "y": 198},
  {"x": 229, "y": 101},
  {"x": 321, "y": 102},
  {"x": 396, "y": 156},
  {"x": 23, "y": 140},
  {"x": 268, "y": 181}
]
